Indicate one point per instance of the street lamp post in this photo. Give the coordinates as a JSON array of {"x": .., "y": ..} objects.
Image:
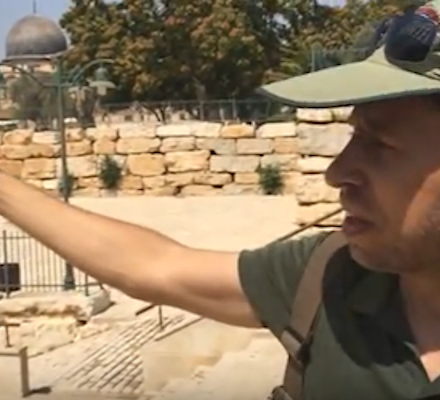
[
  {"x": 61, "y": 84},
  {"x": 38, "y": 39}
]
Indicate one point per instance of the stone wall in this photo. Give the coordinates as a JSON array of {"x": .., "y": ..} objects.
[{"x": 194, "y": 158}]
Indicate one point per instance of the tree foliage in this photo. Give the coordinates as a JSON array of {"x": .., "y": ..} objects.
[
  {"x": 205, "y": 49},
  {"x": 36, "y": 100}
]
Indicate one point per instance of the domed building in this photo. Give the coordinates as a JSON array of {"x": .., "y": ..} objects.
[{"x": 34, "y": 38}]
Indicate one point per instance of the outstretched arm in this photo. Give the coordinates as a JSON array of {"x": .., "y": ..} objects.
[{"x": 136, "y": 260}]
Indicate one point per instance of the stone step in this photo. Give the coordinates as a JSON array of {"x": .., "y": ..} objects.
[{"x": 246, "y": 375}]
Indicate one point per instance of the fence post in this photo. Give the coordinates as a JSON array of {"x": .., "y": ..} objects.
[
  {"x": 160, "y": 314},
  {"x": 86, "y": 284},
  {"x": 6, "y": 262}
]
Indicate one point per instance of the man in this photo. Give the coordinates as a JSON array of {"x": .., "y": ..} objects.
[{"x": 377, "y": 335}]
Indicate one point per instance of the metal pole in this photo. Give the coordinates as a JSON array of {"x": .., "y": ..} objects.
[{"x": 69, "y": 278}]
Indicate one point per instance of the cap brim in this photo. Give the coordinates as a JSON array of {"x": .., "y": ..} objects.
[{"x": 348, "y": 85}]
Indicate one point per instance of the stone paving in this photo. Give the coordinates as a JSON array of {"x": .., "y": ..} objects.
[{"x": 107, "y": 363}]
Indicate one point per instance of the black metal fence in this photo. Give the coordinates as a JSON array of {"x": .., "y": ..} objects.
[
  {"x": 165, "y": 112},
  {"x": 26, "y": 265}
]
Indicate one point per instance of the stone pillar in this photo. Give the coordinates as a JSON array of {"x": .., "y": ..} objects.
[{"x": 16, "y": 381}]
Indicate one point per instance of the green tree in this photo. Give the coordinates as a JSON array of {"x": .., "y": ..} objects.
[
  {"x": 178, "y": 50},
  {"x": 36, "y": 103}
]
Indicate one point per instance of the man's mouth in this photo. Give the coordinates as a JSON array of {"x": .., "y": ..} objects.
[{"x": 354, "y": 225}]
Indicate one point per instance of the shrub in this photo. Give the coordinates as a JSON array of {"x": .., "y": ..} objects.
[
  {"x": 271, "y": 179},
  {"x": 110, "y": 173}
]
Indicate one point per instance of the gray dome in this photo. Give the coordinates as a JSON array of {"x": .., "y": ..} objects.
[{"x": 34, "y": 37}]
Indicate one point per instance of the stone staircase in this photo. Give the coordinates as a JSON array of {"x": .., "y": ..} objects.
[{"x": 247, "y": 366}]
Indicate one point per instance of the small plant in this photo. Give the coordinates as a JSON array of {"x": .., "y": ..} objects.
[
  {"x": 66, "y": 185},
  {"x": 271, "y": 179},
  {"x": 110, "y": 173}
]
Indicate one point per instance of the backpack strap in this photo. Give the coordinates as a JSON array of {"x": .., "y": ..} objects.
[{"x": 305, "y": 306}]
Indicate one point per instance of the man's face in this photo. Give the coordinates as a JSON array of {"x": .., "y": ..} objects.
[{"x": 389, "y": 176}]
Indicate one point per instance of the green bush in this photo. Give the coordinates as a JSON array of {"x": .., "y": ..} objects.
[
  {"x": 271, "y": 179},
  {"x": 110, "y": 173}
]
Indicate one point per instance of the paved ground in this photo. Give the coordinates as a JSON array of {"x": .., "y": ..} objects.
[
  {"x": 108, "y": 362},
  {"x": 250, "y": 374}
]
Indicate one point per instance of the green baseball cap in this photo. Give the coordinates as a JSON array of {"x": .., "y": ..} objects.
[{"x": 378, "y": 77}]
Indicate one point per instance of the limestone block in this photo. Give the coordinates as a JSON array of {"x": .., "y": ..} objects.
[
  {"x": 277, "y": 130},
  {"x": 285, "y": 145},
  {"x": 314, "y": 164},
  {"x": 174, "y": 130},
  {"x": 11, "y": 167},
  {"x": 233, "y": 189},
  {"x": 43, "y": 150},
  {"x": 46, "y": 137},
  {"x": 341, "y": 114},
  {"x": 37, "y": 183},
  {"x": 126, "y": 192},
  {"x": 44, "y": 334},
  {"x": 178, "y": 144},
  {"x": 102, "y": 132},
  {"x": 254, "y": 146},
  {"x": 81, "y": 166},
  {"x": 146, "y": 164},
  {"x": 217, "y": 145},
  {"x": 323, "y": 140},
  {"x": 75, "y": 134},
  {"x": 214, "y": 179},
  {"x": 104, "y": 146},
  {"x": 314, "y": 115},
  {"x": 137, "y": 145},
  {"x": 78, "y": 148},
  {"x": 14, "y": 151},
  {"x": 313, "y": 189},
  {"x": 199, "y": 190},
  {"x": 207, "y": 129},
  {"x": 310, "y": 213},
  {"x": 179, "y": 179},
  {"x": 17, "y": 382},
  {"x": 137, "y": 130},
  {"x": 90, "y": 182},
  {"x": 286, "y": 162},
  {"x": 161, "y": 191},
  {"x": 237, "y": 131},
  {"x": 18, "y": 136},
  {"x": 130, "y": 182},
  {"x": 181, "y": 161},
  {"x": 290, "y": 181},
  {"x": 153, "y": 182},
  {"x": 39, "y": 168},
  {"x": 121, "y": 159},
  {"x": 55, "y": 305},
  {"x": 49, "y": 184},
  {"x": 234, "y": 163},
  {"x": 247, "y": 178}
]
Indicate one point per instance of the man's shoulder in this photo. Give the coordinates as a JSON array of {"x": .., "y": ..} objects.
[{"x": 270, "y": 276}]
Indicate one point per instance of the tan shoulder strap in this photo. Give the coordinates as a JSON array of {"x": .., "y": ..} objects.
[{"x": 304, "y": 310}]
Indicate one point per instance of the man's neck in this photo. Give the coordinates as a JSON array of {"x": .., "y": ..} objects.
[{"x": 421, "y": 294}]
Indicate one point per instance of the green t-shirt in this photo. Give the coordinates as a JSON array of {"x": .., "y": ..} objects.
[{"x": 363, "y": 348}]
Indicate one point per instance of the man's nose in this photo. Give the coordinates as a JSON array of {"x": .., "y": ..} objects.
[{"x": 346, "y": 168}]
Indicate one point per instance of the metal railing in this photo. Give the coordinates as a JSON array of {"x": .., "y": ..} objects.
[
  {"x": 26, "y": 265},
  {"x": 165, "y": 112}
]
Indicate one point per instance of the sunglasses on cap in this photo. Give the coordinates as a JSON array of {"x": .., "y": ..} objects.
[{"x": 409, "y": 37}]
